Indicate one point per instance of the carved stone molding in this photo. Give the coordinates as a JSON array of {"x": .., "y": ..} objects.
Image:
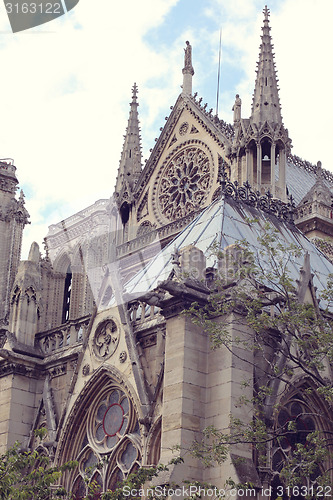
[
  {"x": 106, "y": 339},
  {"x": 86, "y": 370},
  {"x": 266, "y": 203},
  {"x": 57, "y": 371},
  {"x": 145, "y": 227},
  {"x": 10, "y": 368},
  {"x": 143, "y": 208},
  {"x": 122, "y": 356},
  {"x": 183, "y": 128}
]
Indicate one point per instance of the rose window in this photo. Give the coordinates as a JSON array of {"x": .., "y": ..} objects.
[{"x": 185, "y": 183}]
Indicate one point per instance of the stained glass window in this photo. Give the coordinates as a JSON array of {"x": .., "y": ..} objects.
[
  {"x": 115, "y": 478},
  {"x": 129, "y": 455},
  {"x": 113, "y": 419},
  {"x": 303, "y": 423},
  {"x": 111, "y": 429},
  {"x": 79, "y": 488}
]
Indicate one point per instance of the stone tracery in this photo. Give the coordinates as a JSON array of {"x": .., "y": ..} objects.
[
  {"x": 184, "y": 183},
  {"x": 295, "y": 421},
  {"x": 106, "y": 339},
  {"x": 111, "y": 429}
]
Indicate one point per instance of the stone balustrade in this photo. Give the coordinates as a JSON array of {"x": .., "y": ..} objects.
[
  {"x": 67, "y": 335},
  {"x": 314, "y": 208},
  {"x": 155, "y": 236},
  {"x": 140, "y": 312}
]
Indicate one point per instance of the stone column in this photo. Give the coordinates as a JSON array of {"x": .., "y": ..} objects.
[
  {"x": 273, "y": 168},
  {"x": 184, "y": 392},
  {"x": 282, "y": 174},
  {"x": 259, "y": 163},
  {"x": 249, "y": 166}
]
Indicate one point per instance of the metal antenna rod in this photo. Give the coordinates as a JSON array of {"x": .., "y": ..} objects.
[{"x": 218, "y": 75}]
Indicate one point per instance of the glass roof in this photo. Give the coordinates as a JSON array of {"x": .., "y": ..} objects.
[{"x": 226, "y": 222}]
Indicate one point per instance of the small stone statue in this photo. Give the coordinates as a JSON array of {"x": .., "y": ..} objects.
[
  {"x": 237, "y": 107},
  {"x": 176, "y": 261},
  {"x": 188, "y": 55},
  {"x": 188, "y": 68}
]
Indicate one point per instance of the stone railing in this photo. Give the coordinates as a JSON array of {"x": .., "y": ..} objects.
[
  {"x": 78, "y": 217},
  {"x": 140, "y": 312},
  {"x": 156, "y": 235},
  {"x": 8, "y": 165},
  {"x": 67, "y": 335},
  {"x": 311, "y": 209}
]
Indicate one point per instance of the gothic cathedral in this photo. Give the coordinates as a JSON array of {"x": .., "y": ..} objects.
[{"x": 94, "y": 346}]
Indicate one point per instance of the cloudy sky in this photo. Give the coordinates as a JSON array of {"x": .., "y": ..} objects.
[{"x": 66, "y": 86}]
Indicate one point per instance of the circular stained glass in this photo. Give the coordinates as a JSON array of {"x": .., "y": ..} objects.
[
  {"x": 184, "y": 183},
  {"x": 113, "y": 419}
]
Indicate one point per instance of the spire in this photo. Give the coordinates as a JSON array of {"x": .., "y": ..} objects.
[
  {"x": 130, "y": 161},
  {"x": 266, "y": 102},
  {"x": 188, "y": 70}
]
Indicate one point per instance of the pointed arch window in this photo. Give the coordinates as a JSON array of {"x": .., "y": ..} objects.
[
  {"x": 266, "y": 162},
  {"x": 111, "y": 430},
  {"x": 67, "y": 294},
  {"x": 125, "y": 212},
  {"x": 295, "y": 421}
]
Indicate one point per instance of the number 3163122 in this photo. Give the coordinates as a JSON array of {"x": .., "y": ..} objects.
[
  {"x": 34, "y": 8},
  {"x": 303, "y": 491}
]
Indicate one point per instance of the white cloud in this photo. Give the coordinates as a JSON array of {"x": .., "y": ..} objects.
[
  {"x": 66, "y": 88},
  {"x": 301, "y": 32},
  {"x": 65, "y": 101}
]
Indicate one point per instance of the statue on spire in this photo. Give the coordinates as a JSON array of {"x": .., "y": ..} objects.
[
  {"x": 237, "y": 109},
  {"x": 188, "y": 70},
  {"x": 188, "y": 58}
]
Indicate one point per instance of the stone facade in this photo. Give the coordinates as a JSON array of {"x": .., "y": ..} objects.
[{"x": 110, "y": 372}]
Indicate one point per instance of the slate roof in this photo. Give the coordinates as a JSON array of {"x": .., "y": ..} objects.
[{"x": 301, "y": 177}]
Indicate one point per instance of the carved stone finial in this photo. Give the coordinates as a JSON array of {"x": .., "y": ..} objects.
[
  {"x": 135, "y": 92},
  {"x": 319, "y": 170},
  {"x": 130, "y": 162},
  {"x": 267, "y": 13}
]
